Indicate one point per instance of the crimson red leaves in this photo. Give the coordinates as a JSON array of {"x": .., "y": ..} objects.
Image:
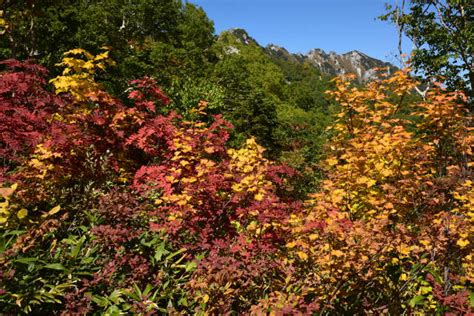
[{"x": 26, "y": 105}]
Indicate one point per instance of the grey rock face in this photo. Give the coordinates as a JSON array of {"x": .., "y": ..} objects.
[
  {"x": 358, "y": 63},
  {"x": 331, "y": 63}
]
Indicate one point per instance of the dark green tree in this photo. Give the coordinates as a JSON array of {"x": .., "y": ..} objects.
[
  {"x": 247, "y": 106},
  {"x": 443, "y": 35},
  {"x": 162, "y": 38}
]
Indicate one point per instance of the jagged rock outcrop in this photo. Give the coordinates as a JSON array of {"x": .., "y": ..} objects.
[
  {"x": 331, "y": 63},
  {"x": 356, "y": 62}
]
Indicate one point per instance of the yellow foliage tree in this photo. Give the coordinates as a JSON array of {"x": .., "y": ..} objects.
[
  {"x": 78, "y": 74},
  {"x": 396, "y": 204}
]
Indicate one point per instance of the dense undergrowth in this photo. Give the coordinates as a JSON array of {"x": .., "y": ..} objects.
[{"x": 123, "y": 205}]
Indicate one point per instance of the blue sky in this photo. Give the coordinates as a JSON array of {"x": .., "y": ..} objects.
[{"x": 300, "y": 25}]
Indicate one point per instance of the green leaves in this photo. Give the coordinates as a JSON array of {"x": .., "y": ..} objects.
[
  {"x": 160, "y": 252},
  {"x": 443, "y": 35},
  {"x": 417, "y": 300},
  {"x": 55, "y": 266},
  {"x": 76, "y": 249},
  {"x": 27, "y": 260}
]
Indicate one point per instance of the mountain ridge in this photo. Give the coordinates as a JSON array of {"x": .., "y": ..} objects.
[{"x": 362, "y": 65}]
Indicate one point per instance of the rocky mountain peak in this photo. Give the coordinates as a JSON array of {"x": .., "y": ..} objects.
[
  {"x": 242, "y": 36},
  {"x": 331, "y": 63},
  {"x": 279, "y": 52},
  {"x": 356, "y": 62},
  {"x": 277, "y": 49}
]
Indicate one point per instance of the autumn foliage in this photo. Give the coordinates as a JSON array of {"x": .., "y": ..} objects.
[
  {"x": 120, "y": 205},
  {"x": 391, "y": 224}
]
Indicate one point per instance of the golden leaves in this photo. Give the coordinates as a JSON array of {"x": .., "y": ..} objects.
[
  {"x": 380, "y": 205},
  {"x": 337, "y": 195},
  {"x": 3, "y": 23},
  {"x": 54, "y": 210},
  {"x": 332, "y": 161},
  {"x": 78, "y": 75},
  {"x": 313, "y": 237},
  {"x": 404, "y": 250},
  {"x": 365, "y": 180},
  {"x": 248, "y": 164},
  {"x": 40, "y": 161},
  {"x": 462, "y": 242},
  {"x": 337, "y": 253},
  {"x": 5, "y": 205},
  {"x": 22, "y": 213},
  {"x": 302, "y": 255},
  {"x": 4, "y": 211}
]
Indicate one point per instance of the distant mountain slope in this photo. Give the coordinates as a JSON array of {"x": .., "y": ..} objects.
[{"x": 356, "y": 62}]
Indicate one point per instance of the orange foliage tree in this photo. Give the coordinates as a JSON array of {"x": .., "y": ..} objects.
[{"x": 391, "y": 227}]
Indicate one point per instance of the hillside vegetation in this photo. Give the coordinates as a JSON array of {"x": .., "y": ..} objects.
[{"x": 151, "y": 167}]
